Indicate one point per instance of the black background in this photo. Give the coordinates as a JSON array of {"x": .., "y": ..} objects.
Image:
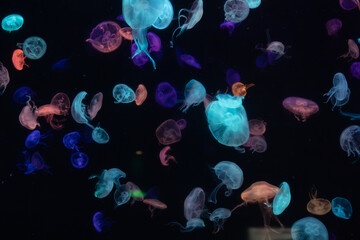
[{"x": 61, "y": 205}]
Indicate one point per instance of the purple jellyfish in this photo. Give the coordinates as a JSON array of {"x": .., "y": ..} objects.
[
  {"x": 139, "y": 60},
  {"x": 33, "y": 139},
  {"x": 32, "y": 163},
  {"x": 349, "y": 4},
  {"x": 165, "y": 95},
  {"x": 229, "y": 26},
  {"x": 261, "y": 61},
  {"x": 79, "y": 159},
  {"x": 355, "y": 69},
  {"x": 154, "y": 42},
  {"x": 333, "y": 26},
  {"x": 22, "y": 94},
  {"x": 99, "y": 222}
]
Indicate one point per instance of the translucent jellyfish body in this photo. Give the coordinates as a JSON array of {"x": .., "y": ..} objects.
[
  {"x": 257, "y": 144},
  {"x": 236, "y": 10},
  {"x": 194, "y": 93},
  {"x": 353, "y": 50},
  {"x": 106, "y": 182},
  {"x": 28, "y": 116},
  {"x": 318, "y": 206},
  {"x": 165, "y": 95},
  {"x": 122, "y": 194},
  {"x": 140, "y": 94},
  {"x": 62, "y": 102},
  {"x": 228, "y": 26},
  {"x": 100, "y": 136},
  {"x": 309, "y": 228},
  {"x": 253, "y": 3},
  {"x": 166, "y": 16},
  {"x": 302, "y": 108},
  {"x": 70, "y": 140},
  {"x": 61, "y": 66},
  {"x": 18, "y": 59},
  {"x": 350, "y": 140},
  {"x": 34, "y": 138},
  {"x": 227, "y": 120},
  {"x": 154, "y": 204},
  {"x": 79, "y": 160},
  {"x": 105, "y": 37},
  {"x": 274, "y": 51},
  {"x": 239, "y": 89},
  {"x": 341, "y": 207},
  {"x": 218, "y": 216},
  {"x": 99, "y": 222},
  {"x": 123, "y": 93},
  {"x": 188, "y": 60},
  {"x": 282, "y": 199},
  {"x": 95, "y": 105},
  {"x": 355, "y": 70},
  {"x": 257, "y": 127},
  {"x": 165, "y": 158},
  {"x": 333, "y": 26},
  {"x": 339, "y": 94},
  {"x": 78, "y": 109},
  {"x": 33, "y": 47},
  {"x": 4, "y": 78},
  {"x": 154, "y": 42},
  {"x": 168, "y": 132},
  {"x": 12, "y": 22},
  {"x": 348, "y": 4},
  {"x": 33, "y": 163}
]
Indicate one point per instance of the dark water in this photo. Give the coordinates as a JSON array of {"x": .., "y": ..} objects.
[{"x": 61, "y": 205}]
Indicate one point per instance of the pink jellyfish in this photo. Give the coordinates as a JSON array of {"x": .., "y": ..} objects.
[
  {"x": 353, "y": 51},
  {"x": 333, "y": 26},
  {"x": 126, "y": 33},
  {"x": 141, "y": 94},
  {"x": 166, "y": 158},
  {"x": 257, "y": 127},
  {"x": 18, "y": 59},
  {"x": 4, "y": 78},
  {"x": 95, "y": 105},
  {"x": 154, "y": 204},
  {"x": 258, "y": 144},
  {"x": 168, "y": 132},
  {"x": 302, "y": 108},
  {"x": 62, "y": 103},
  {"x": 105, "y": 37},
  {"x": 28, "y": 115}
]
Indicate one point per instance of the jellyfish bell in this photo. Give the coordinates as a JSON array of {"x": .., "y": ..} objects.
[
  {"x": 4, "y": 78},
  {"x": 79, "y": 160},
  {"x": 350, "y": 140},
  {"x": 309, "y": 228},
  {"x": 140, "y": 94},
  {"x": 189, "y": 61},
  {"x": 78, "y": 109},
  {"x": 105, "y": 37},
  {"x": 218, "y": 216},
  {"x": 282, "y": 199},
  {"x": 194, "y": 93},
  {"x": 34, "y": 138},
  {"x": 154, "y": 42},
  {"x": 258, "y": 144},
  {"x": 165, "y": 95},
  {"x": 349, "y": 5},
  {"x": 34, "y": 47},
  {"x": 70, "y": 140},
  {"x": 275, "y": 50},
  {"x": 22, "y": 94},
  {"x": 168, "y": 132},
  {"x": 140, "y": 59},
  {"x": 333, "y": 26},
  {"x": 302, "y": 108},
  {"x": 240, "y": 89},
  {"x": 318, "y": 206},
  {"x": 18, "y": 59},
  {"x": 257, "y": 127},
  {"x": 355, "y": 70},
  {"x": 28, "y": 116},
  {"x": 339, "y": 94},
  {"x": 95, "y": 105},
  {"x": 229, "y": 26},
  {"x": 341, "y": 207},
  {"x": 253, "y": 3},
  {"x": 181, "y": 123},
  {"x": 12, "y": 22},
  {"x": 165, "y": 158},
  {"x": 165, "y": 17},
  {"x": 100, "y": 136},
  {"x": 236, "y": 10},
  {"x": 126, "y": 33},
  {"x": 123, "y": 94},
  {"x": 353, "y": 51},
  {"x": 62, "y": 102}
]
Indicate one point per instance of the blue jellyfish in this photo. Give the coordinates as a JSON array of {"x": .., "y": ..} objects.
[
  {"x": 79, "y": 159},
  {"x": 232, "y": 76},
  {"x": 33, "y": 139},
  {"x": 282, "y": 199},
  {"x": 22, "y": 95},
  {"x": 100, "y": 136},
  {"x": 106, "y": 182},
  {"x": 32, "y": 163},
  {"x": 78, "y": 109},
  {"x": 123, "y": 94},
  {"x": 33, "y": 47},
  {"x": 350, "y": 140},
  {"x": 218, "y": 216},
  {"x": 339, "y": 94},
  {"x": 194, "y": 94},
  {"x": 230, "y": 175},
  {"x": 261, "y": 61},
  {"x": 165, "y": 95},
  {"x": 62, "y": 65},
  {"x": 227, "y": 120},
  {"x": 71, "y": 139},
  {"x": 309, "y": 228},
  {"x": 99, "y": 222},
  {"x": 12, "y": 22},
  {"x": 341, "y": 207}
]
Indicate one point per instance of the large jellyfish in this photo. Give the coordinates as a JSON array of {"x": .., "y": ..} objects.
[
  {"x": 105, "y": 37},
  {"x": 165, "y": 95},
  {"x": 28, "y": 116},
  {"x": 339, "y": 94},
  {"x": 230, "y": 175},
  {"x": 12, "y": 22},
  {"x": 309, "y": 228},
  {"x": 318, "y": 206},
  {"x": 341, "y": 207},
  {"x": 227, "y": 120},
  {"x": 33, "y": 47},
  {"x": 106, "y": 182},
  {"x": 218, "y": 216},
  {"x": 302, "y": 108},
  {"x": 350, "y": 140},
  {"x": 236, "y": 10},
  {"x": 123, "y": 94},
  {"x": 353, "y": 50},
  {"x": 79, "y": 159},
  {"x": 34, "y": 138},
  {"x": 4, "y": 78},
  {"x": 71, "y": 140},
  {"x": 282, "y": 199},
  {"x": 194, "y": 93},
  {"x": 333, "y": 26},
  {"x": 168, "y": 132},
  {"x": 18, "y": 59}
]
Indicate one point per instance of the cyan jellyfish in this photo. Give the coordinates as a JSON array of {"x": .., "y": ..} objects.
[
  {"x": 100, "y": 136},
  {"x": 282, "y": 199},
  {"x": 350, "y": 141},
  {"x": 12, "y": 22},
  {"x": 122, "y": 194},
  {"x": 106, "y": 182},
  {"x": 78, "y": 109},
  {"x": 166, "y": 16},
  {"x": 236, "y": 10},
  {"x": 231, "y": 176},
  {"x": 123, "y": 94},
  {"x": 22, "y": 94},
  {"x": 33, "y": 139},
  {"x": 309, "y": 228},
  {"x": 339, "y": 94},
  {"x": 194, "y": 93},
  {"x": 33, "y": 47},
  {"x": 4, "y": 78},
  {"x": 253, "y": 3},
  {"x": 79, "y": 159},
  {"x": 165, "y": 95},
  {"x": 341, "y": 207},
  {"x": 218, "y": 216},
  {"x": 71, "y": 139},
  {"x": 32, "y": 163},
  {"x": 99, "y": 222},
  {"x": 168, "y": 132},
  {"x": 105, "y": 37},
  {"x": 227, "y": 120}
]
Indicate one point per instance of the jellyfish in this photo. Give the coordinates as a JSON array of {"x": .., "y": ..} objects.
[
  {"x": 240, "y": 89},
  {"x": 218, "y": 216},
  {"x": 236, "y": 10},
  {"x": 62, "y": 103},
  {"x": 126, "y": 33},
  {"x": 140, "y": 94},
  {"x": 79, "y": 159},
  {"x": 135, "y": 192},
  {"x": 12, "y": 22},
  {"x": 166, "y": 158},
  {"x": 229, "y": 26},
  {"x": 33, "y": 47},
  {"x": 106, "y": 182},
  {"x": 261, "y": 61},
  {"x": 339, "y": 94},
  {"x": 100, "y": 136},
  {"x": 4, "y": 78},
  {"x": 181, "y": 123},
  {"x": 61, "y": 66},
  {"x": 168, "y": 132},
  {"x": 154, "y": 204},
  {"x": 257, "y": 127},
  {"x": 230, "y": 175},
  {"x": 341, "y": 207},
  {"x": 22, "y": 94},
  {"x": 28, "y": 116},
  {"x": 99, "y": 222},
  {"x": 253, "y": 3},
  {"x": 349, "y": 4},
  {"x": 333, "y": 26},
  {"x": 78, "y": 109},
  {"x": 353, "y": 50},
  {"x": 105, "y": 37},
  {"x": 258, "y": 144},
  {"x": 122, "y": 194},
  {"x": 227, "y": 120},
  {"x": 71, "y": 139},
  {"x": 189, "y": 61},
  {"x": 123, "y": 94},
  {"x": 275, "y": 50},
  {"x": 95, "y": 105},
  {"x": 350, "y": 140},
  {"x": 165, "y": 95},
  {"x": 318, "y": 206},
  {"x": 194, "y": 93},
  {"x": 32, "y": 163},
  {"x": 195, "y": 14},
  {"x": 309, "y": 228},
  {"x": 355, "y": 70},
  {"x": 302, "y": 108},
  {"x": 18, "y": 59},
  {"x": 282, "y": 199},
  {"x": 34, "y": 138},
  {"x": 48, "y": 109},
  {"x": 139, "y": 60},
  {"x": 154, "y": 42},
  {"x": 232, "y": 77},
  {"x": 166, "y": 16}
]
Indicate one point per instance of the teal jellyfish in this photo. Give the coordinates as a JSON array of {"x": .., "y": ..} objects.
[
  {"x": 341, "y": 207},
  {"x": 227, "y": 120},
  {"x": 12, "y": 22},
  {"x": 339, "y": 94},
  {"x": 33, "y": 47},
  {"x": 194, "y": 93},
  {"x": 100, "y": 136},
  {"x": 309, "y": 228},
  {"x": 218, "y": 216},
  {"x": 123, "y": 94},
  {"x": 253, "y": 3},
  {"x": 166, "y": 16},
  {"x": 106, "y": 182},
  {"x": 78, "y": 109},
  {"x": 282, "y": 199}
]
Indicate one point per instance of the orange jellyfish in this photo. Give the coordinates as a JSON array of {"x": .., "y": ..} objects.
[
  {"x": 141, "y": 94},
  {"x": 126, "y": 32},
  {"x": 239, "y": 89},
  {"x": 257, "y": 127},
  {"x": 165, "y": 158},
  {"x": 318, "y": 206},
  {"x": 28, "y": 115},
  {"x": 105, "y": 37},
  {"x": 18, "y": 59},
  {"x": 48, "y": 109},
  {"x": 353, "y": 52},
  {"x": 62, "y": 102},
  {"x": 154, "y": 204},
  {"x": 302, "y": 108}
]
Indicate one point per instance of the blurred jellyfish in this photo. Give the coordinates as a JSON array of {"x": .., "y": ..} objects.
[
  {"x": 229, "y": 26},
  {"x": 227, "y": 120},
  {"x": 32, "y": 163},
  {"x": 135, "y": 192},
  {"x": 261, "y": 61},
  {"x": 4, "y": 78},
  {"x": 18, "y": 59},
  {"x": 22, "y": 94},
  {"x": 165, "y": 158},
  {"x": 349, "y": 4},
  {"x": 123, "y": 94},
  {"x": 99, "y": 222},
  {"x": 33, "y": 47},
  {"x": 188, "y": 60},
  {"x": 168, "y": 132},
  {"x": 355, "y": 70},
  {"x": 61, "y": 66},
  {"x": 165, "y": 95},
  {"x": 140, "y": 59},
  {"x": 100, "y": 136},
  {"x": 71, "y": 139},
  {"x": 275, "y": 50},
  {"x": 353, "y": 51},
  {"x": 309, "y": 228},
  {"x": 62, "y": 103},
  {"x": 230, "y": 175},
  {"x": 79, "y": 159},
  {"x": 257, "y": 127},
  {"x": 253, "y": 3},
  {"x": 194, "y": 93},
  {"x": 78, "y": 109},
  {"x": 106, "y": 182},
  {"x": 239, "y": 89},
  {"x": 232, "y": 76},
  {"x": 154, "y": 204},
  {"x": 282, "y": 199},
  {"x": 34, "y": 138},
  {"x": 318, "y": 206},
  {"x": 122, "y": 194},
  {"x": 258, "y": 144},
  {"x": 126, "y": 33},
  {"x": 28, "y": 116},
  {"x": 140, "y": 94},
  {"x": 12, "y": 22},
  {"x": 350, "y": 140},
  {"x": 154, "y": 42},
  {"x": 181, "y": 123},
  {"x": 105, "y": 37},
  {"x": 95, "y": 105},
  {"x": 339, "y": 94},
  {"x": 333, "y": 26},
  {"x": 341, "y": 207},
  {"x": 302, "y": 108},
  {"x": 236, "y": 10},
  {"x": 218, "y": 216},
  {"x": 48, "y": 109}
]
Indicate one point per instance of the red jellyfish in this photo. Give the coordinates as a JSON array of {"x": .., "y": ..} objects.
[
  {"x": 62, "y": 102},
  {"x": 169, "y": 132},
  {"x": 18, "y": 59},
  {"x": 105, "y": 37},
  {"x": 141, "y": 94},
  {"x": 165, "y": 158},
  {"x": 302, "y": 108}
]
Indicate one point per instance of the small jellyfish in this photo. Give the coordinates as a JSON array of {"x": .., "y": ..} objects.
[
  {"x": 194, "y": 93},
  {"x": 218, "y": 216},
  {"x": 140, "y": 94},
  {"x": 18, "y": 59},
  {"x": 309, "y": 228},
  {"x": 100, "y": 136},
  {"x": 350, "y": 140},
  {"x": 34, "y": 138},
  {"x": 230, "y": 175},
  {"x": 105, "y": 37},
  {"x": 258, "y": 144},
  {"x": 302, "y": 108},
  {"x": 12, "y": 22},
  {"x": 339, "y": 94},
  {"x": 333, "y": 26},
  {"x": 236, "y": 10},
  {"x": 353, "y": 50},
  {"x": 126, "y": 33},
  {"x": 168, "y": 132},
  {"x": 355, "y": 70},
  {"x": 232, "y": 76},
  {"x": 71, "y": 139},
  {"x": 32, "y": 163},
  {"x": 257, "y": 127},
  {"x": 123, "y": 94},
  {"x": 189, "y": 61},
  {"x": 140, "y": 59},
  {"x": 165, "y": 95},
  {"x": 181, "y": 123},
  {"x": 106, "y": 182},
  {"x": 275, "y": 50},
  {"x": 95, "y": 105},
  {"x": 165, "y": 158},
  {"x": 240, "y": 89},
  {"x": 253, "y": 3},
  {"x": 282, "y": 199},
  {"x": 135, "y": 192},
  {"x": 22, "y": 94},
  {"x": 28, "y": 116},
  {"x": 229, "y": 26},
  {"x": 154, "y": 42},
  {"x": 341, "y": 207},
  {"x": 34, "y": 47},
  {"x": 122, "y": 194},
  {"x": 154, "y": 204},
  {"x": 349, "y": 4},
  {"x": 4, "y": 78},
  {"x": 99, "y": 222},
  {"x": 261, "y": 61},
  {"x": 61, "y": 66},
  {"x": 318, "y": 206},
  {"x": 79, "y": 159}
]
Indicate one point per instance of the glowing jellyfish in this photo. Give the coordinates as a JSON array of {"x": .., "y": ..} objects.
[
  {"x": 154, "y": 42},
  {"x": 302, "y": 108},
  {"x": 61, "y": 66},
  {"x": 253, "y": 3},
  {"x": 140, "y": 94},
  {"x": 181, "y": 123},
  {"x": 309, "y": 228},
  {"x": 236, "y": 10},
  {"x": 99, "y": 222},
  {"x": 189, "y": 61},
  {"x": 341, "y": 207},
  {"x": 48, "y": 109},
  {"x": 165, "y": 158},
  {"x": 106, "y": 182},
  {"x": 275, "y": 50},
  {"x": 100, "y": 136},
  {"x": 350, "y": 140},
  {"x": 126, "y": 33},
  {"x": 135, "y": 192},
  {"x": 194, "y": 93},
  {"x": 353, "y": 50},
  {"x": 95, "y": 105},
  {"x": 28, "y": 116},
  {"x": 166, "y": 16},
  {"x": 240, "y": 89},
  {"x": 32, "y": 163},
  {"x": 78, "y": 109},
  {"x": 33, "y": 47},
  {"x": 105, "y": 37},
  {"x": 218, "y": 216},
  {"x": 79, "y": 159},
  {"x": 71, "y": 139},
  {"x": 195, "y": 13},
  {"x": 230, "y": 175},
  {"x": 257, "y": 127},
  {"x": 122, "y": 194},
  {"x": 227, "y": 120},
  {"x": 62, "y": 103},
  {"x": 18, "y": 59},
  {"x": 258, "y": 144},
  {"x": 139, "y": 60},
  {"x": 339, "y": 94},
  {"x": 4, "y": 78},
  {"x": 12, "y": 22},
  {"x": 22, "y": 94},
  {"x": 355, "y": 70},
  {"x": 123, "y": 94},
  {"x": 168, "y": 132},
  {"x": 232, "y": 76},
  {"x": 33, "y": 139},
  {"x": 318, "y": 206},
  {"x": 333, "y": 26},
  {"x": 165, "y": 95},
  {"x": 154, "y": 204},
  {"x": 349, "y": 4},
  {"x": 282, "y": 199}
]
